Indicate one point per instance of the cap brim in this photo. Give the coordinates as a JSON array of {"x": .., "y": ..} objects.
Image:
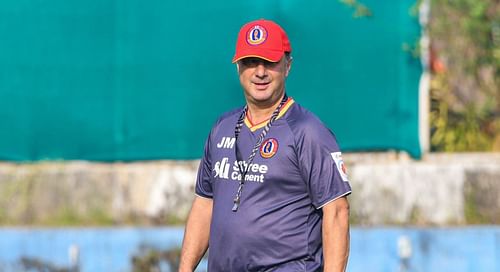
[{"x": 269, "y": 55}]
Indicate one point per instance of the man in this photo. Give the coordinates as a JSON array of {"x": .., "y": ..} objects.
[{"x": 271, "y": 187}]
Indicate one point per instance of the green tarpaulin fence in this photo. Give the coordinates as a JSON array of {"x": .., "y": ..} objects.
[{"x": 142, "y": 80}]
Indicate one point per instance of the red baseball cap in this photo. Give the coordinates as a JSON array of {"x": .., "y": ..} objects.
[{"x": 262, "y": 39}]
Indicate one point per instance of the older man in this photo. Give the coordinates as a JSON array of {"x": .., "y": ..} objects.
[{"x": 272, "y": 186}]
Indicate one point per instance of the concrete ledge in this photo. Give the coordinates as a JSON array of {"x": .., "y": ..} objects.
[
  {"x": 96, "y": 193},
  {"x": 388, "y": 188},
  {"x": 394, "y": 189}
]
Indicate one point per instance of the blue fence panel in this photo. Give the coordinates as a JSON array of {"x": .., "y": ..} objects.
[{"x": 468, "y": 249}]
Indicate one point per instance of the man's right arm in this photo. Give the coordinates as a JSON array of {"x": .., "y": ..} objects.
[{"x": 196, "y": 234}]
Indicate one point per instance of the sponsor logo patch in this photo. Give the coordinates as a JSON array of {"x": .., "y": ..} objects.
[
  {"x": 268, "y": 148},
  {"x": 339, "y": 162},
  {"x": 255, "y": 172},
  {"x": 221, "y": 169},
  {"x": 256, "y": 35}
]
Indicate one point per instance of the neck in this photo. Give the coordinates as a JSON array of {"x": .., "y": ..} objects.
[{"x": 258, "y": 114}]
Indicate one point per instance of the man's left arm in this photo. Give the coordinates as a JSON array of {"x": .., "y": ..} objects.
[{"x": 336, "y": 235}]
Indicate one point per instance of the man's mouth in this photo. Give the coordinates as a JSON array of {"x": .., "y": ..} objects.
[{"x": 261, "y": 85}]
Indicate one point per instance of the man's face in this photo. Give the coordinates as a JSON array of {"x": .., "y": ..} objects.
[{"x": 263, "y": 81}]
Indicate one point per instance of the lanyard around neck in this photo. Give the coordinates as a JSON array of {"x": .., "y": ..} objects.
[{"x": 245, "y": 165}]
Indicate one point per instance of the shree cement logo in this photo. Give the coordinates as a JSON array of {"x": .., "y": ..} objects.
[
  {"x": 221, "y": 169},
  {"x": 256, "y": 172}
]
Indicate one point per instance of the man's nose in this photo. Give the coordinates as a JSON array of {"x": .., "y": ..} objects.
[{"x": 260, "y": 70}]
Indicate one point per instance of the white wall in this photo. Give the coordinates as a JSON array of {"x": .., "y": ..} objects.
[{"x": 388, "y": 188}]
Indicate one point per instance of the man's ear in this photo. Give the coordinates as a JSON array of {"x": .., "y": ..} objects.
[{"x": 288, "y": 66}]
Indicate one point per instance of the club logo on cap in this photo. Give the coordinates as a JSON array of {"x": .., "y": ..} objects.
[
  {"x": 268, "y": 148},
  {"x": 256, "y": 35}
]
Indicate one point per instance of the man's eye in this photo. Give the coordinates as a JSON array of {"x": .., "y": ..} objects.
[
  {"x": 250, "y": 62},
  {"x": 255, "y": 62}
]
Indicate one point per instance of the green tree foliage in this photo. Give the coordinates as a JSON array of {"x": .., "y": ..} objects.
[
  {"x": 360, "y": 10},
  {"x": 465, "y": 62}
]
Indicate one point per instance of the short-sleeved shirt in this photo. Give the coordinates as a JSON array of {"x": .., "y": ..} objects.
[{"x": 297, "y": 170}]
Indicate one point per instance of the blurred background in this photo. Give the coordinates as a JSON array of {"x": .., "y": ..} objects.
[{"x": 105, "y": 107}]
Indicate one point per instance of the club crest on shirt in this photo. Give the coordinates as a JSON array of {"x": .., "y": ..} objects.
[
  {"x": 256, "y": 35},
  {"x": 268, "y": 148},
  {"x": 339, "y": 162}
]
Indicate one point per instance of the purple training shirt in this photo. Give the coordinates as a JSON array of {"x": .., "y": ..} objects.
[{"x": 297, "y": 170}]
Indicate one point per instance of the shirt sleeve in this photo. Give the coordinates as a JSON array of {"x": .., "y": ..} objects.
[
  {"x": 321, "y": 164},
  {"x": 204, "y": 178}
]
